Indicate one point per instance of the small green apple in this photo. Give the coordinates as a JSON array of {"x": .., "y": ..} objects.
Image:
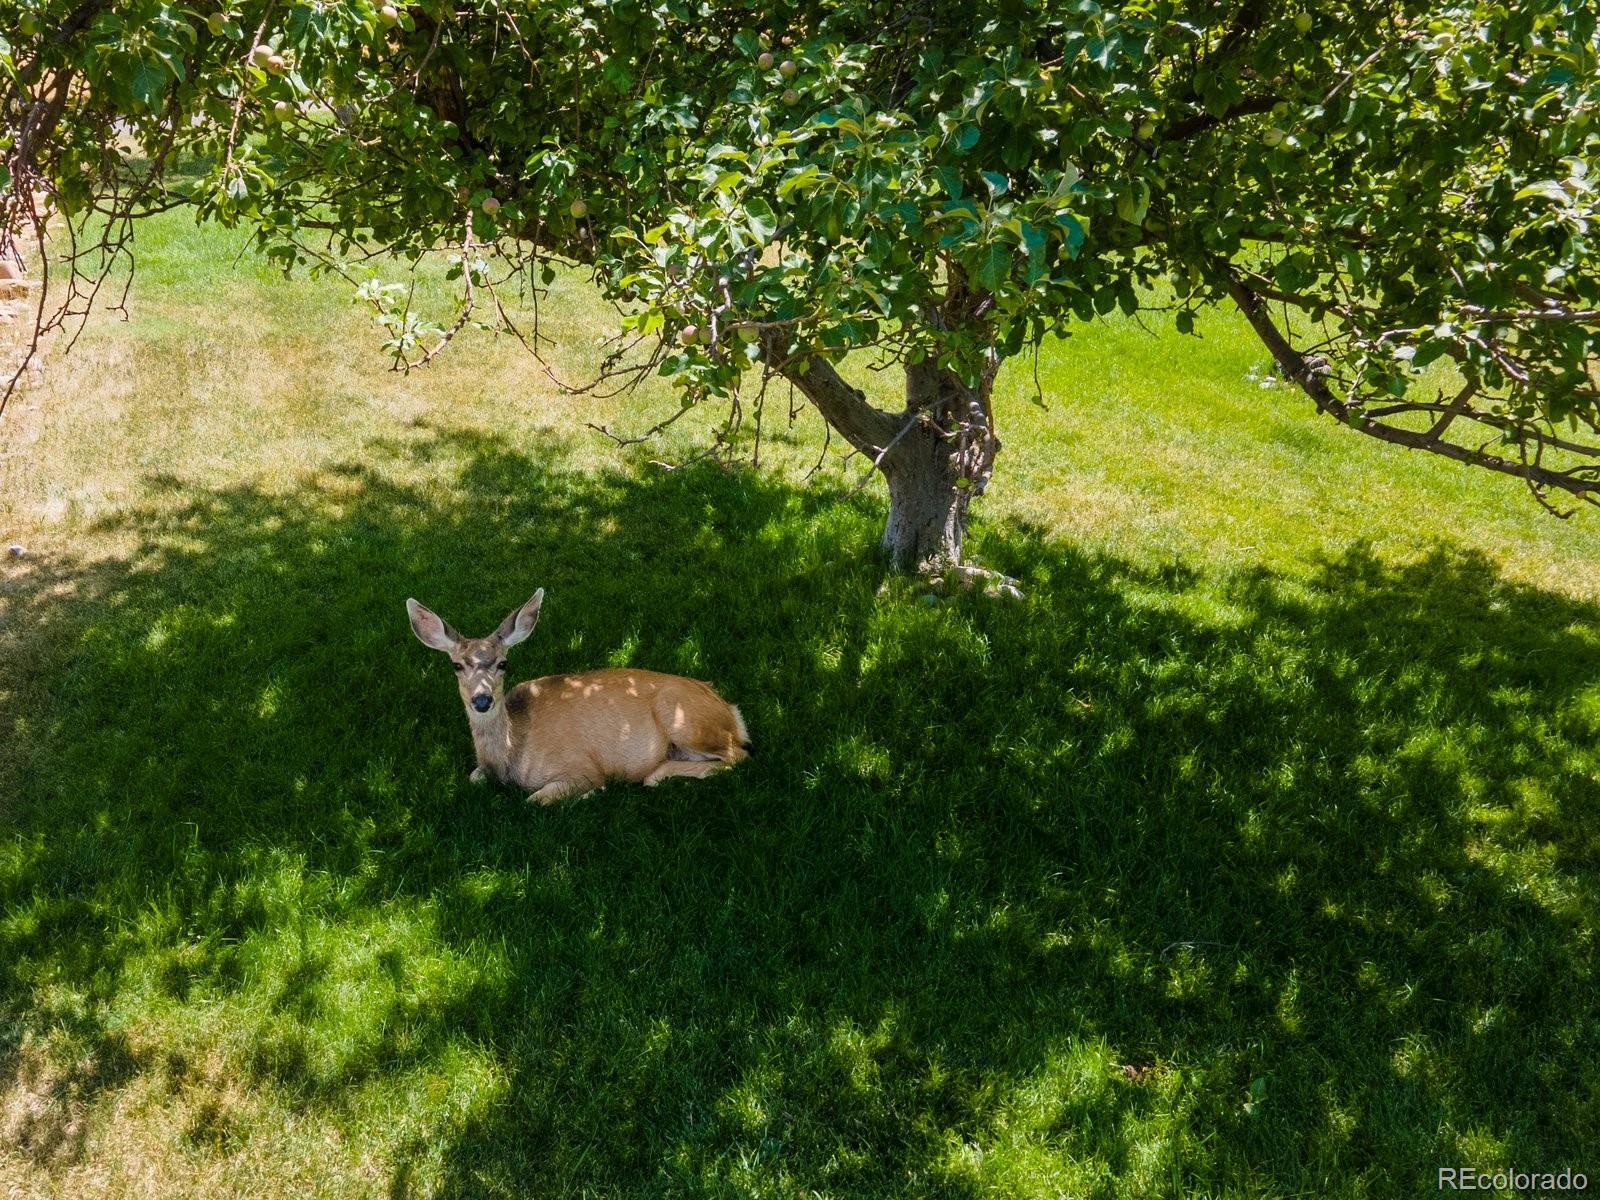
[
  {"x": 1147, "y": 130},
  {"x": 490, "y": 205},
  {"x": 1302, "y": 22},
  {"x": 787, "y": 68},
  {"x": 216, "y": 23},
  {"x": 579, "y": 209},
  {"x": 790, "y": 96},
  {"x": 275, "y": 64},
  {"x": 689, "y": 335},
  {"x": 1274, "y": 136},
  {"x": 765, "y": 61},
  {"x": 260, "y": 55},
  {"x": 747, "y": 332},
  {"x": 389, "y": 15},
  {"x": 283, "y": 110}
]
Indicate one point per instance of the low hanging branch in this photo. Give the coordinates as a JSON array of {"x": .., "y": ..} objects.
[{"x": 1530, "y": 439}]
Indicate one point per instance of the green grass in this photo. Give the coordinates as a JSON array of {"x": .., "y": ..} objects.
[{"x": 1254, "y": 854}]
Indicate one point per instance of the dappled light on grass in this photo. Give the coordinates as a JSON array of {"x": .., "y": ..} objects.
[{"x": 1172, "y": 879}]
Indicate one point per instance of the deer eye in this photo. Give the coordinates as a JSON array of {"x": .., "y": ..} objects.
[
  {"x": 501, "y": 665},
  {"x": 460, "y": 667}
]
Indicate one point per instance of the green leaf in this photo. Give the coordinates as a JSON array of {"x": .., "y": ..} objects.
[
  {"x": 760, "y": 219},
  {"x": 1073, "y": 231},
  {"x": 147, "y": 82},
  {"x": 1132, "y": 206},
  {"x": 993, "y": 267},
  {"x": 1034, "y": 240},
  {"x": 1547, "y": 189},
  {"x": 950, "y": 180},
  {"x": 796, "y": 180}
]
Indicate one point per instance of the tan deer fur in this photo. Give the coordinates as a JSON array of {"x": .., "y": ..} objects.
[{"x": 563, "y": 735}]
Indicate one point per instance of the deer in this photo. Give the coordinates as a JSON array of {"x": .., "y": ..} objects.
[{"x": 563, "y": 736}]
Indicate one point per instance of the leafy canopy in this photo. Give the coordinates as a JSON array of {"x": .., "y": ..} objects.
[{"x": 1410, "y": 182}]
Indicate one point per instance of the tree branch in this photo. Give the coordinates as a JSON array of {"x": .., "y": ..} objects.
[
  {"x": 1200, "y": 122},
  {"x": 843, "y": 407},
  {"x": 1295, "y": 367}
]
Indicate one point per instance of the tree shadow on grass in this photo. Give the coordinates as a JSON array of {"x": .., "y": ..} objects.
[{"x": 1157, "y": 884}]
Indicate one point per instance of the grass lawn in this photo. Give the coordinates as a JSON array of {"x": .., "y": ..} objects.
[{"x": 1256, "y": 853}]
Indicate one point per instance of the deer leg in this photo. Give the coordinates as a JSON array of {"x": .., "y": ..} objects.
[
  {"x": 692, "y": 769},
  {"x": 559, "y": 789}
]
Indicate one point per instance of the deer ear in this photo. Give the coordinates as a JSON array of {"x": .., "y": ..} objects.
[
  {"x": 430, "y": 630},
  {"x": 519, "y": 624}
]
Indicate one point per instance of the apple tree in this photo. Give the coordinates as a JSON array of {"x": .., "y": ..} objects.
[{"x": 1398, "y": 197}]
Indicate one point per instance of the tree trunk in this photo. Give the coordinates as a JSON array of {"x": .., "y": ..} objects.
[
  {"x": 936, "y": 455},
  {"x": 927, "y": 511},
  {"x": 941, "y": 460}
]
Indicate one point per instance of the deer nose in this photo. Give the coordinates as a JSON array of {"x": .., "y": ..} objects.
[{"x": 482, "y": 703}]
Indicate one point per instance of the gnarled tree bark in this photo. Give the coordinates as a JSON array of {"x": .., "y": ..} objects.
[
  {"x": 936, "y": 455},
  {"x": 943, "y": 457}
]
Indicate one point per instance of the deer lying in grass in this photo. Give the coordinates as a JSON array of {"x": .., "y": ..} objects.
[{"x": 564, "y": 735}]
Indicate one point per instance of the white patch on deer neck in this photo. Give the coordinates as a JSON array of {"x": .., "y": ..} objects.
[{"x": 491, "y": 737}]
